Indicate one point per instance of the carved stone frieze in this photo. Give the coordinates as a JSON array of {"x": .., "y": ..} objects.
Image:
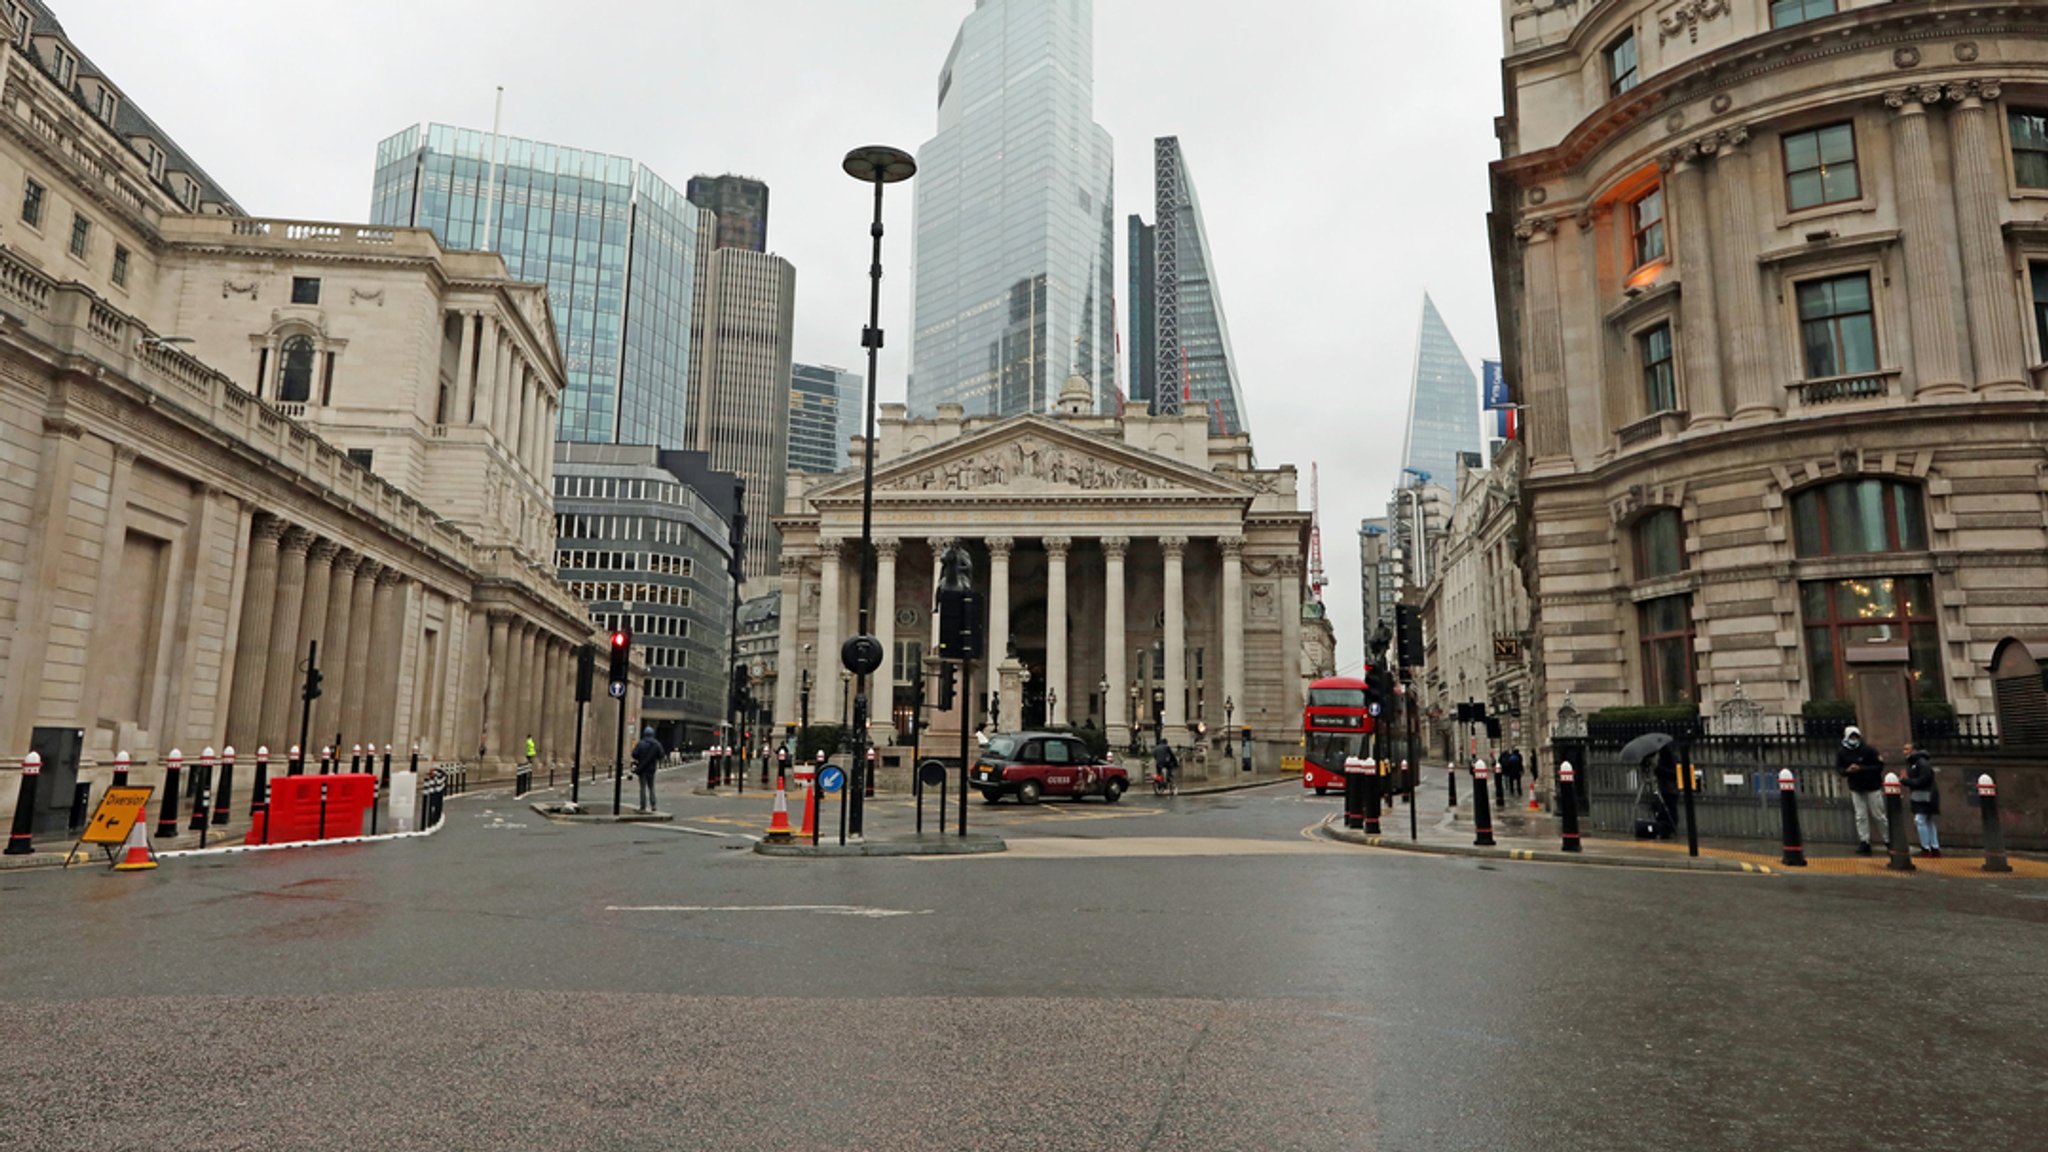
[
  {"x": 1265, "y": 601},
  {"x": 1688, "y": 17},
  {"x": 230, "y": 288},
  {"x": 1026, "y": 462}
]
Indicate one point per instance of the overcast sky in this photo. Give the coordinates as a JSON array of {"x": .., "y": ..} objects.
[{"x": 1339, "y": 148}]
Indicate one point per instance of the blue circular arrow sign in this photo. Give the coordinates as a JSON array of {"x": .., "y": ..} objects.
[{"x": 832, "y": 779}]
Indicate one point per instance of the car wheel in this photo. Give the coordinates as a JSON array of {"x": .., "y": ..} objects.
[
  {"x": 1322, "y": 791},
  {"x": 991, "y": 795},
  {"x": 1113, "y": 791},
  {"x": 1028, "y": 792}
]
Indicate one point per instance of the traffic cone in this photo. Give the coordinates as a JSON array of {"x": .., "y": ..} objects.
[
  {"x": 779, "y": 831},
  {"x": 1533, "y": 805},
  {"x": 810, "y": 827},
  {"x": 136, "y": 854}
]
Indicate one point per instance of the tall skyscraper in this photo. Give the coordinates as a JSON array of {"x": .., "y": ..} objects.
[
  {"x": 741, "y": 395},
  {"x": 1143, "y": 272},
  {"x": 1191, "y": 358},
  {"x": 615, "y": 245},
  {"x": 1016, "y": 235},
  {"x": 741, "y": 205},
  {"x": 824, "y": 414},
  {"x": 1443, "y": 405}
]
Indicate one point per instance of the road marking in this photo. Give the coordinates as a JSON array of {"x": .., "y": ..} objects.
[
  {"x": 686, "y": 829},
  {"x": 814, "y": 909},
  {"x": 1069, "y": 848}
]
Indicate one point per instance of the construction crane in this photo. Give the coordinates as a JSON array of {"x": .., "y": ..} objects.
[{"x": 1316, "y": 579}]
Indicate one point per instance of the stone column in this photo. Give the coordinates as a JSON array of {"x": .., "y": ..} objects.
[
  {"x": 1550, "y": 441},
  {"x": 387, "y": 632},
  {"x": 1114, "y": 640},
  {"x": 1174, "y": 606},
  {"x": 787, "y": 672},
  {"x": 530, "y": 691},
  {"x": 498, "y": 698},
  {"x": 1977, "y": 164},
  {"x": 1930, "y": 285},
  {"x": 882, "y": 686},
  {"x": 280, "y": 681},
  {"x": 464, "y": 384},
  {"x": 336, "y": 642},
  {"x": 999, "y": 596},
  {"x": 1290, "y": 636},
  {"x": 1233, "y": 626},
  {"x": 550, "y": 694},
  {"x": 469, "y": 717},
  {"x": 1056, "y": 679},
  {"x": 252, "y": 636},
  {"x": 313, "y": 620},
  {"x": 1757, "y": 392},
  {"x": 362, "y": 652},
  {"x": 1700, "y": 341},
  {"x": 830, "y": 604}
]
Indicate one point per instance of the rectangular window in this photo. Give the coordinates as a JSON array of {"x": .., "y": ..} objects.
[
  {"x": 305, "y": 289},
  {"x": 2039, "y": 273},
  {"x": 1841, "y": 613},
  {"x": 32, "y": 204},
  {"x": 1858, "y": 518},
  {"x": 2029, "y": 147},
  {"x": 1665, "y": 628},
  {"x": 362, "y": 456},
  {"x": 81, "y": 234},
  {"x": 120, "y": 266},
  {"x": 1621, "y": 64},
  {"x": 1785, "y": 13},
  {"x": 1837, "y": 326},
  {"x": 1660, "y": 544},
  {"x": 1660, "y": 384},
  {"x": 1820, "y": 167},
  {"x": 1646, "y": 220}
]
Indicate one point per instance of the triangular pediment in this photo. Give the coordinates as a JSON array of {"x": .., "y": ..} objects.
[{"x": 1035, "y": 456}]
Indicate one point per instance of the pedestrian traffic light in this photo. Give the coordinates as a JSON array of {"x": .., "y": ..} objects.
[
  {"x": 586, "y": 671},
  {"x": 948, "y": 674},
  {"x": 622, "y": 656},
  {"x": 312, "y": 689}
]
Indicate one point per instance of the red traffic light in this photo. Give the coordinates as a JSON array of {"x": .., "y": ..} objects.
[{"x": 622, "y": 639}]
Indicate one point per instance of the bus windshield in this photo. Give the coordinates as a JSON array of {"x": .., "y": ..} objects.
[
  {"x": 1329, "y": 750},
  {"x": 1336, "y": 697}
]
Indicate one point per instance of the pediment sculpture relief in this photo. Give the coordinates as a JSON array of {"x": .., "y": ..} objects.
[{"x": 1024, "y": 463}]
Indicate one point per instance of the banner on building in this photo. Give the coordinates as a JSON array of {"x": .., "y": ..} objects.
[
  {"x": 1495, "y": 382},
  {"x": 1504, "y": 423}
]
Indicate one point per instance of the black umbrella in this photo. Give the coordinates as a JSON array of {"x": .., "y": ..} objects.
[{"x": 1645, "y": 746}]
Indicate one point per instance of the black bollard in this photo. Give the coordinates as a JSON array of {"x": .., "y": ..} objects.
[
  {"x": 1901, "y": 859},
  {"x": 386, "y": 776},
  {"x": 867, "y": 782},
  {"x": 1451, "y": 771},
  {"x": 764, "y": 769},
  {"x": 202, "y": 774},
  {"x": 121, "y": 764},
  {"x": 1500, "y": 782},
  {"x": 20, "y": 841},
  {"x": 167, "y": 818},
  {"x": 1482, "y": 819},
  {"x": 355, "y": 757},
  {"x": 1788, "y": 798},
  {"x": 1354, "y": 794},
  {"x": 323, "y": 810},
  {"x": 1372, "y": 798},
  {"x": 1568, "y": 804},
  {"x": 1994, "y": 832},
  {"x": 227, "y": 785},
  {"x": 259, "y": 788}
]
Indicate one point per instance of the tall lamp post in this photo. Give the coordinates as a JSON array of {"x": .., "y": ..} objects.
[
  {"x": 1052, "y": 705},
  {"x": 1137, "y": 744},
  {"x": 880, "y": 166},
  {"x": 1230, "y": 707}
]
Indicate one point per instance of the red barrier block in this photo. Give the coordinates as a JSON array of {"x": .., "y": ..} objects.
[{"x": 295, "y": 808}]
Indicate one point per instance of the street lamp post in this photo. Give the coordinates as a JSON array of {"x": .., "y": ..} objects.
[
  {"x": 1102, "y": 694},
  {"x": 880, "y": 166},
  {"x": 1230, "y": 708},
  {"x": 1052, "y": 706},
  {"x": 803, "y": 709},
  {"x": 1136, "y": 745}
]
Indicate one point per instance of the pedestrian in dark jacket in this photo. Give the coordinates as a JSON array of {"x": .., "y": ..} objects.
[
  {"x": 1863, "y": 769},
  {"x": 1511, "y": 765},
  {"x": 1925, "y": 800},
  {"x": 1164, "y": 761},
  {"x": 646, "y": 754}
]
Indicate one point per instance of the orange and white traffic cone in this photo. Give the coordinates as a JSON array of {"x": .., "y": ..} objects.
[
  {"x": 136, "y": 854},
  {"x": 810, "y": 827},
  {"x": 779, "y": 831},
  {"x": 1533, "y": 805}
]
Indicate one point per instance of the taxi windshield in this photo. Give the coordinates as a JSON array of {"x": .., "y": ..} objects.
[{"x": 1002, "y": 748}]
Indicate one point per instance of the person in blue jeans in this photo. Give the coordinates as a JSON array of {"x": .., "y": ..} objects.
[
  {"x": 1925, "y": 800},
  {"x": 646, "y": 755}
]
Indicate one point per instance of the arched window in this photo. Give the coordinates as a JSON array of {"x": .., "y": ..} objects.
[
  {"x": 295, "y": 371},
  {"x": 1859, "y": 517}
]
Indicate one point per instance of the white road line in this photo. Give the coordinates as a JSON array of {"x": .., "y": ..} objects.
[
  {"x": 817, "y": 909},
  {"x": 686, "y": 829}
]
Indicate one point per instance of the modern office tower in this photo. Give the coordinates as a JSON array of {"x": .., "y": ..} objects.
[
  {"x": 741, "y": 205},
  {"x": 1191, "y": 357},
  {"x": 1144, "y": 366},
  {"x": 740, "y": 400},
  {"x": 824, "y": 414},
  {"x": 615, "y": 245},
  {"x": 1015, "y": 259},
  {"x": 644, "y": 537},
  {"x": 1376, "y": 575},
  {"x": 1443, "y": 405}
]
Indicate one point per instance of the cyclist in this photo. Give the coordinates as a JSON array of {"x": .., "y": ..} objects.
[{"x": 1165, "y": 765}]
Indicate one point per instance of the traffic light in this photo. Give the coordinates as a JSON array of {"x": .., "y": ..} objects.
[
  {"x": 312, "y": 689},
  {"x": 1408, "y": 636},
  {"x": 960, "y": 624},
  {"x": 622, "y": 656},
  {"x": 948, "y": 674},
  {"x": 586, "y": 671}
]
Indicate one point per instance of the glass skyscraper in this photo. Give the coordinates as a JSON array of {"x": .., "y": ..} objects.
[
  {"x": 616, "y": 246},
  {"x": 1180, "y": 313},
  {"x": 824, "y": 415},
  {"x": 1443, "y": 406},
  {"x": 1016, "y": 236}
]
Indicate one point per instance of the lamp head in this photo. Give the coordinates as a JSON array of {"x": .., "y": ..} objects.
[{"x": 879, "y": 164}]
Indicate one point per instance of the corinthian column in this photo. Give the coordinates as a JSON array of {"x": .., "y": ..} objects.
[
  {"x": 1233, "y": 623},
  {"x": 1174, "y": 605},
  {"x": 882, "y": 686},
  {"x": 335, "y": 641},
  {"x": 1978, "y": 165},
  {"x": 1114, "y": 641},
  {"x": 387, "y": 629},
  {"x": 1756, "y": 392},
  {"x": 1700, "y": 344},
  {"x": 252, "y": 636},
  {"x": 313, "y": 612},
  {"x": 829, "y": 606},
  {"x": 498, "y": 700},
  {"x": 1056, "y": 548},
  {"x": 1930, "y": 285},
  {"x": 281, "y": 679},
  {"x": 362, "y": 649},
  {"x": 998, "y": 597},
  {"x": 786, "y": 672}
]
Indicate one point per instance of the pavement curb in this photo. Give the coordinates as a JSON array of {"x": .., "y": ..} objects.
[
  {"x": 1236, "y": 786},
  {"x": 1536, "y": 855},
  {"x": 231, "y": 849},
  {"x": 974, "y": 844}
]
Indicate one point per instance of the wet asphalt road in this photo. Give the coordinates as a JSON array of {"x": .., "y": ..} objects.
[{"x": 1189, "y": 974}]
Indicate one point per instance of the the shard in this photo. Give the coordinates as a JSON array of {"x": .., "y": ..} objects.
[{"x": 1443, "y": 406}]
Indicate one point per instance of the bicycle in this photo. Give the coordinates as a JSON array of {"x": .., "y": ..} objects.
[{"x": 1165, "y": 779}]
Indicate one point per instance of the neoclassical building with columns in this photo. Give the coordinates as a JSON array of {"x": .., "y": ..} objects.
[{"x": 1133, "y": 562}]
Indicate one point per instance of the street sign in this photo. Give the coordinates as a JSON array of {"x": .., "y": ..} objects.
[
  {"x": 618, "y": 690},
  {"x": 118, "y": 811},
  {"x": 832, "y": 779},
  {"x": 1373, "y": 709},
  {"x": 932, "y": 773}
]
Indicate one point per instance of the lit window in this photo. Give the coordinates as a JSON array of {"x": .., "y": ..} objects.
[
  {"x": 1840, "y": 613},
  {"x": 1621, "y": 64},
  {"x": 1837, "y": 326},
  {"x": 1660, "y": 384},
  {"x": 1646, "y": 221},
  {"x": 1820, "y": 167},
  {"x": 1785, "y": 13}
]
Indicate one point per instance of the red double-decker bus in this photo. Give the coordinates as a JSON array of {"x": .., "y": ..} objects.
[{"x": 1337, "y": 724}]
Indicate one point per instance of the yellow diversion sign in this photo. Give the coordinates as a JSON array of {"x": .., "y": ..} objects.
[
  {"x": 119, "y": 809},
  {"x": 1292, "y": 764}
]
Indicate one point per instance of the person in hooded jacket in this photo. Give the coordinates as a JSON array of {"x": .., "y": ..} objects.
[
  {"x": 646, "y": 754},
  {"x": 1925, "y": 800},
  {"x": 1860, "y": 765}
]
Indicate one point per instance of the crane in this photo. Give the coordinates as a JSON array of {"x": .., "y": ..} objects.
[{"x": 1316, "y": 579}]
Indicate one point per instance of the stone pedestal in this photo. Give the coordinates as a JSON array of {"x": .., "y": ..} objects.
[
  {"x": 1884, "y": 696},
  {"x": 1010, "y": 682}
]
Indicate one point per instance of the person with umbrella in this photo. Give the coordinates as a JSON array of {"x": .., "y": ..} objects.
[{"x": 1663, "y": 799}]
